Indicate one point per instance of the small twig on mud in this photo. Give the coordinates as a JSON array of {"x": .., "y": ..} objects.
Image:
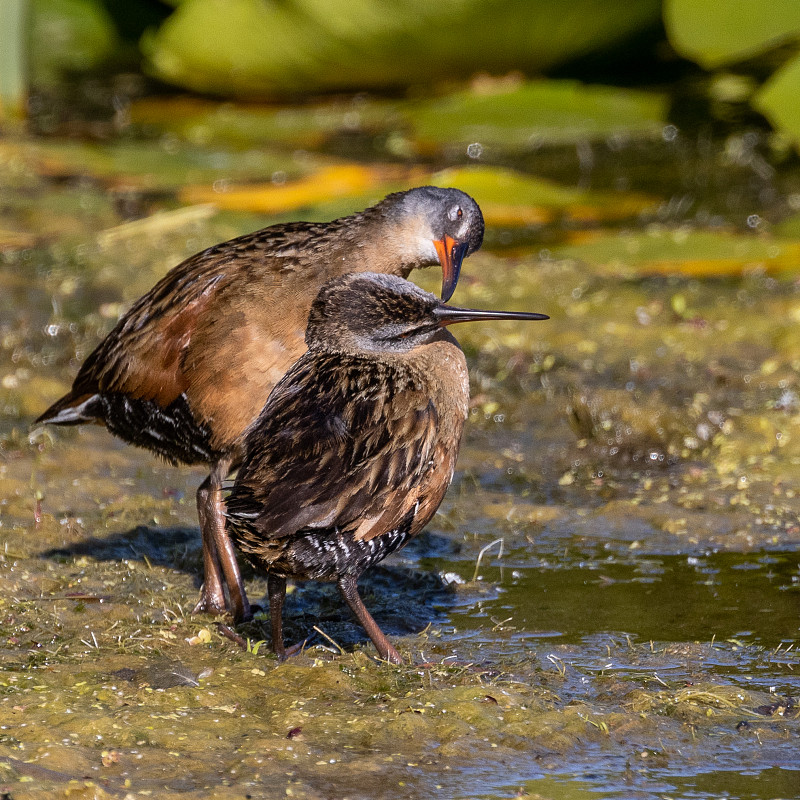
[
  {"x": 482, "y": 551},
  {"x": 558, "y": 664},
  {"x": 332, "y": 641}
]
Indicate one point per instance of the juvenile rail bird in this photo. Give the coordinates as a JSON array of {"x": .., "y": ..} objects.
[
  {"x": 356, "y": 446},
  {"x": 191, "y": 364}
]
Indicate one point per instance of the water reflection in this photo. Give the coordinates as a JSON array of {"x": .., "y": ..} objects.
[{"x": 670, "y": 598}]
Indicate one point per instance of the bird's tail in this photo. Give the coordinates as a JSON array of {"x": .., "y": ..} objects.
[{"x": 72, "y": 409}]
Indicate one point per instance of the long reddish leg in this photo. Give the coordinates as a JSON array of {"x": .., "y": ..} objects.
[
  {"x": 276, "y": 590},
  {"x": 348, "y": 586},
  {"x": 219, "y": 556}
]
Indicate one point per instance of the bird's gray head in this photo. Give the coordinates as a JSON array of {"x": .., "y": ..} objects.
[
  {"x": 377, "y": 313},
  {"x": 435, "y": 226},
  {"x": 370, "y": 312}
]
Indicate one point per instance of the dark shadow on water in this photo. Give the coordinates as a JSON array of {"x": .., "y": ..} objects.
[
  {"x": 403, "y": 600},
  {"x": 175, "y": 548}
]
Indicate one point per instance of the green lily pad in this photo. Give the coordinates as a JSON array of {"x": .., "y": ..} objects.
[
  {"x": 540, "y": 112},
  {"x": 511, "y": 118},
  {"x": 779, "y": 99},
  {"x": 146, "y": 165},
  {"x": 788, "y": 228},
  {"x": 713, "y": 33},
  {"x": 683, "y": 251},
  {"x": 308, "y": 126},
  {"x": 68, "y": 35},
  {"x": 262, "y": 49}
]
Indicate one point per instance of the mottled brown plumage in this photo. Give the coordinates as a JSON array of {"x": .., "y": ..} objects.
[
  {"x": 190, "y": 365},
  {"x": 356, "y": 446}
]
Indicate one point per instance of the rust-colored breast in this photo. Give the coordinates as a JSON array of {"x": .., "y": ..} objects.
[
  {"x": 444, "y": 365},
  {"x": 239, "y": 352}
]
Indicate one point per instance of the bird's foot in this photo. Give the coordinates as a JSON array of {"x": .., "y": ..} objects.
[
  {"x": 288, "y": 652},
  {"x": 211, "y": 603},
  {"x": 216, "y": 605},
  {"x": 391, "y": 655},
  {"x": 228, "y": 633},
  {"x": 294, "y": 649}
]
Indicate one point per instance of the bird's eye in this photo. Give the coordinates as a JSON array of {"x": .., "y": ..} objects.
[
  {"x": 459, "y": 213},
  {"x": 455, "y": 213}
]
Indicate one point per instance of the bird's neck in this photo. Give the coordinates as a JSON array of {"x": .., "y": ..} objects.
[
  {"x": 439, "y": 366},
  {"x": 373, "y": 242}
]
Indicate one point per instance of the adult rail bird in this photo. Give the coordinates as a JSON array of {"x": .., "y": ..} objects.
[
  {"x": 191, "y": 364},
  {"x": 356, "y": 446}
]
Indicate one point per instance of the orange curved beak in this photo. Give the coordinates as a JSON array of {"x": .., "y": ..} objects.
[{"x": 451, "y": 253}]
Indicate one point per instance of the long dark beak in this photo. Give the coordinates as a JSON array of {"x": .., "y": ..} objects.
[
  {"x": 451, "y": 253},
  {"x": 448, "y": 315}
]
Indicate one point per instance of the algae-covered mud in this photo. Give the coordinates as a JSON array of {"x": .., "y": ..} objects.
[{"x": 607, "y": 603}]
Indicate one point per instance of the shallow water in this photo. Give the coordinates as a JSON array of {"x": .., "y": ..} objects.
[
  {"x": 638, "y": 456},
  {"x": 668, "y": 598}
]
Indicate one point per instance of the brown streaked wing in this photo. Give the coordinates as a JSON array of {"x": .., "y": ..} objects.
[
  {"x": 142, "y": 356},
  {"x": 307, "y": 465},
  {"x": 145, "y": 362}
]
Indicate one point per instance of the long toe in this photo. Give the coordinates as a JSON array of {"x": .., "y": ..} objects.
[{"x": 295, "y": 649}]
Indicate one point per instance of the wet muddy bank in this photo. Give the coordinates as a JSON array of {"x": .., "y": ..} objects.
[{"x": 638, "y": 455}]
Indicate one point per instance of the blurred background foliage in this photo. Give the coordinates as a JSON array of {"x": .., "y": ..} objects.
[{"x": 741, "y": 59}]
